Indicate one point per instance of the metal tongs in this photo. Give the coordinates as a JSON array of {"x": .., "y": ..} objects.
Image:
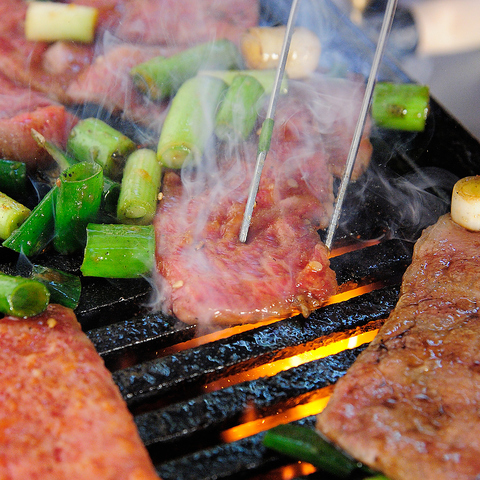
[{"x": 267, "y": 126}]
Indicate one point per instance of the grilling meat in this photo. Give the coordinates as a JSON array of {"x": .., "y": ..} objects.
[
  {"x": 409, "y": 404},
  {"x": 62, "y": 416},
  {"x": 205, "y": 273}
]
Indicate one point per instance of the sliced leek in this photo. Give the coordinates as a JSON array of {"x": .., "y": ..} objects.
[{"x": 465, "y": 209}]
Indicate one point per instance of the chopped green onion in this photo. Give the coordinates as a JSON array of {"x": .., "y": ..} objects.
[
  {"x": 13, "y": 177},
  {"x": 22, "y": 297},
  {"x": 303, "y": 443},
  {"x": 61, "y": 158},
  {"x": 64, "y": 288},
  {"x": 118, "y": 251},
  {"x": 190, "y": 121},
  {"x": 238, "y": 111},
  {"x": 161, "y": 77},
  {"x": 37, "y": 230},
  {"x": 78, "y": 202},
  {"x": 265, "y": 77},
  {"x": 137, "y": 202},
  {"x": 401, "y": 106},
  {"x": 111, "y": 193},
  {"x": 12, "y": 215},
  {"x": 93, "y": 140}
]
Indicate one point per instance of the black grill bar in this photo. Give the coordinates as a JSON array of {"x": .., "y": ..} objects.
[
  {"x": 237, "y": 460},
  {"x": 223, "y": 408},
  {"x": 186, "y": 369}
]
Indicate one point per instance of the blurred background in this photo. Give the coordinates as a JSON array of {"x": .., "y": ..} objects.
[{"x": 436, "y": 42}]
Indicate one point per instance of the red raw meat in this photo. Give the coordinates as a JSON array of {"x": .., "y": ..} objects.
[
  {"x": 62, "y": 416},
  {"x": 205, "y": 273},
  {"x": 174, "y": 23},
  {"x": 409, "y": 404},
  {"x": 21, "y": 110}
]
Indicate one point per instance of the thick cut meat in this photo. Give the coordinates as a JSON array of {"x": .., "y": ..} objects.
[
  {"x": 170, "y": 22},
  {"x": 205, "y": 273},
  {"x": 61, "y": 415},
  {"x": 20, "y": 111},
  {"x": 409, "y": 405},
  {"x": 107, "y": 82}
]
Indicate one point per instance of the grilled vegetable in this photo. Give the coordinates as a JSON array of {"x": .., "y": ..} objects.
[
  {"x": 110, "y": 195},
  {"x": 78, "y": 202},
  {"x": 303, "y": 443},
  {"x": 61, "y": 158},
  {"x": 93, "y": 140},
  {"x": 140, "y": 186},
  {"x": 22, "y": 297},
  {"x": 238, "y": 111},
  {"x": 402, "y": 106},
  {"x": 12, "y": 215},
  {"x": 265, "y": 77},
  {"x": 52, "y": 21},
  {"x": 13, "y": 177},
  {"x": 37, "y": 230},
  {"x": 190, "y": 121},
  {"x": 161, "y": 77},
  {"x": 465, "y": 207},
  {"x": 64, "y": 288},
  {"x": 118, "y": 251},
  {"x": 261, "y": 48}
]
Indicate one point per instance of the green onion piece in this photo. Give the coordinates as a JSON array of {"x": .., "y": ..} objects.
[
  {"x": 12, "y": 215},
  {"x": 61, "y": 158},
  {"x": 13, "y": 177},
  {"x": 303, "y": 443},
  {"x": 238, "y": 111},
  {"x": 64, "y": 288},
  {"x": 190, "y": 121},
  {"x": 93, "y": 140},
  {"x": 161, "y": 77},
  {"x": 118, "y": 251},
  {"x": 111, "y": 193},
  {"x": 401, "y": 106},
  {"x": 37, "y": 230},
  {"x": 265, "y": 77},
  {"x": 22, "y": 297},
  {"x": 137, "y": 202},
  {"x": 78, "y": 202}
]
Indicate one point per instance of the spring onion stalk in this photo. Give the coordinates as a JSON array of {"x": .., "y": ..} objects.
[
  {"x": 161, "y": 77},
  {"x": 92, "y": 139},
  {"x": 12, "y": 215},
  {"x": 238, "y": 111},
  {"x": 53, "y": 21},
  {"x": 59, "y": 156},
  {"x": 265, "y": 77},
  {"x": 22, "y": 297},
  {"x": 13, "y": 177},
  {"x": 37, "y": 230},
  {"x": 190, "y": 121},
  {"x": 400, "y": 106},
  {"x": 110, "y": 195},
  {"x": 64, "y": 288},
  {"x": 137, "y": 202},
  {"x": 78, "y": 203},
  {"x": 303, "y": 443},
  {"x": 118, "y": 251},
  {"x": 465, "y": 208}
]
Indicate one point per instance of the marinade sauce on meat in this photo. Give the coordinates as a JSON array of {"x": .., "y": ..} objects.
[{"x": 409, "y": 406}]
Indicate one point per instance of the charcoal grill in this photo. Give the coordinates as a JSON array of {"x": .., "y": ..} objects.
[{"x": 203, "y": 400}]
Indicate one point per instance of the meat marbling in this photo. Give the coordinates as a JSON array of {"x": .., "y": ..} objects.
[
  {"x": 61, "y": 414},
  {"x": 205, "y": 273},
  {"x": 409, "y": 405}
]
